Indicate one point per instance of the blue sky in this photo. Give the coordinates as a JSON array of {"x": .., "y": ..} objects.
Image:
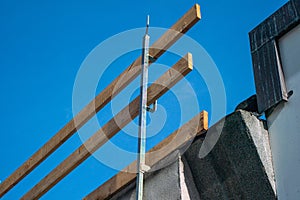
[{"x": 43, "y": 45}]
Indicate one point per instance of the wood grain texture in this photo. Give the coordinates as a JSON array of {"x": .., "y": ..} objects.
[
  {"x": 156, "y": 50},
  {"x": 156, "y": 90},
  {"x": 185, "y": 134}
]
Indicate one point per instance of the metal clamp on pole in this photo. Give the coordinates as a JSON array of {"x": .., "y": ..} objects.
[
  {"x": 144, "y": 168},
  {"x": 154, "y": 108},
  {"x": 152, "y": 59}
]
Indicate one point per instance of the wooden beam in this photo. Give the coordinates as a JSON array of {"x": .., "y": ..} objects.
[
  {"x": 156, "y": 50},
  {"x": 175, "y": 32},
  {"x": 156, "y": 90},
  {"x": 185, "y": 134}
]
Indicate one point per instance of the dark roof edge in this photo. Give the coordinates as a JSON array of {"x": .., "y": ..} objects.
[{"x": 280, "y": 22}]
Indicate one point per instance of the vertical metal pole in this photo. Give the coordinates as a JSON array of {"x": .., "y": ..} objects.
[{"x": 142, "y": 116}]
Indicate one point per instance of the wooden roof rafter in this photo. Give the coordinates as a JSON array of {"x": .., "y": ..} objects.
[{"x": 130, "y": 73}]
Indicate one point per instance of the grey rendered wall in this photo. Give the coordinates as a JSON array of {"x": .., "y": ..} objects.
[
  {"x": 238, "y": 167},
  {"x": 284, "y": 122},
  {"x": 240, "y": 164}
]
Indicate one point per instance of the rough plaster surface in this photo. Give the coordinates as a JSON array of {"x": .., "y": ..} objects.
[
  {"x": 167, "y": 183},
  {"x": 238, "y": 167}
]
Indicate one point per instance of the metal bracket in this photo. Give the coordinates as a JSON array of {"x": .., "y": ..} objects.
[
  {"x": 153, "y": 109},
  {"x": 152, "y": 59},
  {"x": 144, "y": 168}
]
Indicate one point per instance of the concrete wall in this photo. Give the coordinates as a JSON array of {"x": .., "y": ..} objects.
[
  {"x": 238, "y": 167},
  {"x": 172, "y": 182},
  {"x": 284, "y": 121}
]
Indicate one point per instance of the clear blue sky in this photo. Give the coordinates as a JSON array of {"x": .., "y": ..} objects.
[{"x": 43, "y": 44}]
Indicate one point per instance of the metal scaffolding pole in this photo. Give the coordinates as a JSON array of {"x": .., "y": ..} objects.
[{"x": 142, "y": 116}]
